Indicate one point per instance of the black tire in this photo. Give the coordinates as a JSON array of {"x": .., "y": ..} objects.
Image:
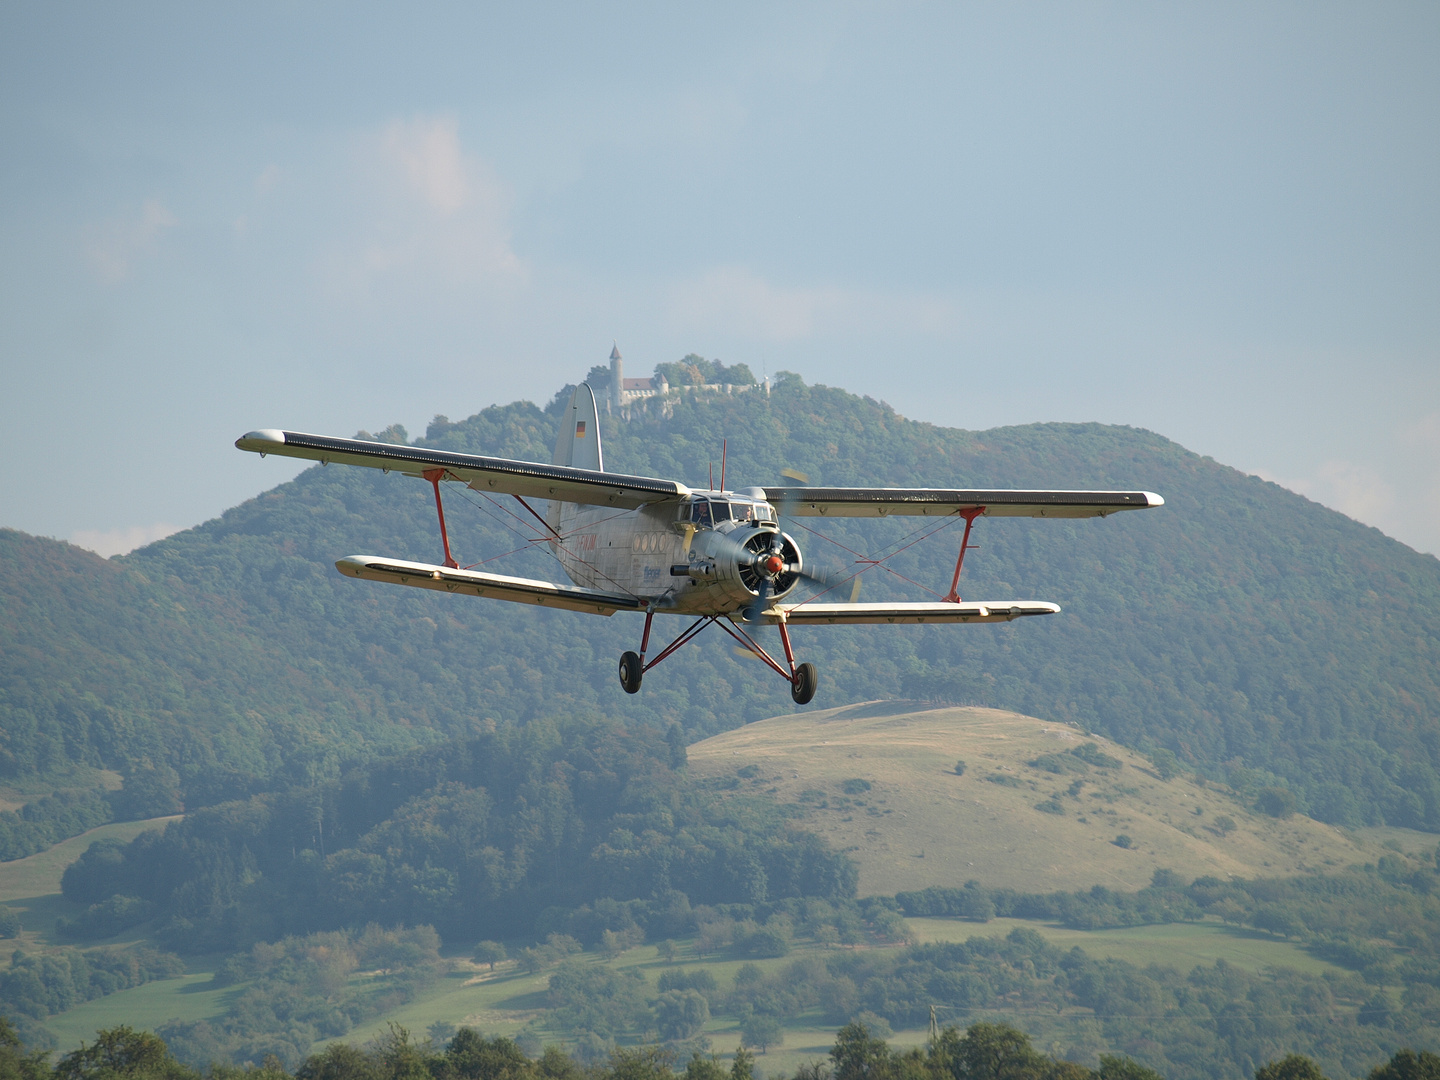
[
  {"x": 631, "y": 672},
  {"x": 802, "y": 687}
]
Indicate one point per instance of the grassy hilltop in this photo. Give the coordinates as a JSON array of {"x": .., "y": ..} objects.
[{"x": 917, "y": 823}]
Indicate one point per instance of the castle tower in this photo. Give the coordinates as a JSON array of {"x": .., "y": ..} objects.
[{"x": 617, "y": 378}]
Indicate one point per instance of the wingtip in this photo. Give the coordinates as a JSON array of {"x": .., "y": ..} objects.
[{"x": 1151, "y": 499}]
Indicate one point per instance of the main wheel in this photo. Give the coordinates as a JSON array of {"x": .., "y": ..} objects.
[
  {"x": 631, "y": 671},
  {"x": 802, "y": 687}
]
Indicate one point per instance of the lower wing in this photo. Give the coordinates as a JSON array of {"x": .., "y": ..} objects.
[
  {"x": 941, "y": 612},
  {"x": 493, "y": 586}
]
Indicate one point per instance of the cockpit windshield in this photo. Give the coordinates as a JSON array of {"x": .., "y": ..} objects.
[{"x": 708, "y": 513}]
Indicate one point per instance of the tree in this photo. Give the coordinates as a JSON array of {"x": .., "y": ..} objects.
[
  {"x": 704, "y": 1068},
  {"x": 1167, "y": 765},
  {"x": 675, "y": 740},
  {"x": 15, "y": 1064},
  {"x": 1123, "y": 1068},
  {"x": 612, "y": 944},
  {"x": 1408, "y": 1065},
  {"x": 122, "y": 1053},
  {"x": 667, "y": 950},
  {"x": 641, "y": 1063},
  {"x": 489, "y": 952},
  {"x": 680, "y": 1014},
  {"x": 1290, "y": 1067},
  {"x": 1123, "y": 841},
  {"x": 998, "y": 1052},
  {"x": 1225, "y": 824},
  {"x": 960, "y": 767},
  {"x": 470, "y": 1056},
  {"x": 338, "y": 1061},
  {"x": 743, "y": 1067},
  {"x": 1278, "y": 802},
  {"x": 860, "y": 1056},
  {"x": 762, "y": 1030}
]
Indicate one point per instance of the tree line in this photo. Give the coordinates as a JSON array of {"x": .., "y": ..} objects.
[
  {"x": 983, "y": 1051},
  {"x": 477, "y": 838}
]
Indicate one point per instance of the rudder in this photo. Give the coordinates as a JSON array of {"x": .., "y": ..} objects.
[{"x": 578, "y": 444}]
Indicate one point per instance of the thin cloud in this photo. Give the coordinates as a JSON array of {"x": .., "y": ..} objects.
[
  {"x": 430, "y": 214},
  {"x": 120, "y": 242},
  {"x": 734, "y": 299},
  {"x": 427, "y": 153}
]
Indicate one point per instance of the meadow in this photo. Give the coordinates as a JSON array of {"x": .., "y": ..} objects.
[{"x": 911, "y": 821}]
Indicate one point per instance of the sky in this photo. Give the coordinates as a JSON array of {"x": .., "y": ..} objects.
[{"x": 1219, "y": 222}]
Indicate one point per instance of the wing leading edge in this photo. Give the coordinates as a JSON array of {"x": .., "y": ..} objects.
[
  {"x": 940, "y": 502},
  {"x": 494, "y": 586},
  {"x": 501, "y": 475}
]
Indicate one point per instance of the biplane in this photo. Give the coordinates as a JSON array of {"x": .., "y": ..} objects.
[{"x": 652, "y": 546}]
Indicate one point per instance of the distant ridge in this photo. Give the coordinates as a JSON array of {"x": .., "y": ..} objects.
[{"x": 1259, "y": 636}]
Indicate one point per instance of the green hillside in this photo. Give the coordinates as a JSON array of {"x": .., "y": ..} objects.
[
  {"x": 1261, "y": 637},
  {"x": 879, "y": 783}
]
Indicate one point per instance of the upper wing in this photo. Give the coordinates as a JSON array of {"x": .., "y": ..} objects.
[
  {"x": 939, "y": 502},
  {"x": 941, "y": 612},
  {"x": 481, "y": 473},
  {"x": 494, "y": 586}
]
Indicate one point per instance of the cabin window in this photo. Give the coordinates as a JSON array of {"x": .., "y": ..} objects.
[
  {"x": 719, "y": 510},
  {"x": 700, "y": 513}
]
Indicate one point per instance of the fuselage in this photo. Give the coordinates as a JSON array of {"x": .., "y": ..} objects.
[{"x": 685, "y": 557}]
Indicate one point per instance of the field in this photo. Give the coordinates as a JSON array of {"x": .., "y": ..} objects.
[
  {"x": 920, "y": 824},
  {"x": 917, "y": 824},
  {"x": 503, "y": 1003},
  {"x": 1180, "y": 945},
  {"x": 39, "y": 874}
]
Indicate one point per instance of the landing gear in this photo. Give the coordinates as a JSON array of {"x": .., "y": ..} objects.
[
  {"x": 802, "y": 686},
  {"x": 802, "y": 678},
  {"x": 632, "y": 669}
]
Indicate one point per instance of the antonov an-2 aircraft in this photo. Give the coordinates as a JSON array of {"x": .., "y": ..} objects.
[{"x": 634, "y": 543}]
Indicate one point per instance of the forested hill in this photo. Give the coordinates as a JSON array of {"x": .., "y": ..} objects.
[{"x": 1247, "y": 629}]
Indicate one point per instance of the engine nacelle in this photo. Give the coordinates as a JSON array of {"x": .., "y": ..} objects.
[{"x": 730, "y": 567}]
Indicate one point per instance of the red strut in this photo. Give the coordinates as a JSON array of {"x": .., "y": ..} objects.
[
  {"x": 969, "y": 515},
  {"x": 435, "y": 476}
]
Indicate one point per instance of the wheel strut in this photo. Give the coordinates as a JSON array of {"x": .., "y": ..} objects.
[{"x": 802, "y": 678}]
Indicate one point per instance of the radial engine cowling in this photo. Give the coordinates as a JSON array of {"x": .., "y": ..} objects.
[{"x": 741, "y": 561}]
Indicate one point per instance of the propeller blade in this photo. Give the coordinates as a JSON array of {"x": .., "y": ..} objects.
[{"x": 757, "y": 609}]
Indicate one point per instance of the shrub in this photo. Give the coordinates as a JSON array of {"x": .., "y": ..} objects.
[{"x": 1278, "y": 802}]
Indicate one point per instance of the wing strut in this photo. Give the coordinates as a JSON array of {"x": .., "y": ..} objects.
[
  {"x": 969, "y": 515},
  {"x": 435, "y": 476}
]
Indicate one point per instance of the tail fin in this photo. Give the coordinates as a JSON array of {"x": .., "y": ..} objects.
[{"x": 578, "y": 445}]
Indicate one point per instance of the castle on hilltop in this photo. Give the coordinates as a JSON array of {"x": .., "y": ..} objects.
[{"x": 624, "y": 392}]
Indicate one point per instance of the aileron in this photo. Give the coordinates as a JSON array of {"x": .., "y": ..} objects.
[
  {"x": 939, "y": 502},
  {"x": 905, "y": 613}
]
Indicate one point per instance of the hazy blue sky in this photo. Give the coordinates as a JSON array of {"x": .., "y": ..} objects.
[{"x": 1218, "y": 222}]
